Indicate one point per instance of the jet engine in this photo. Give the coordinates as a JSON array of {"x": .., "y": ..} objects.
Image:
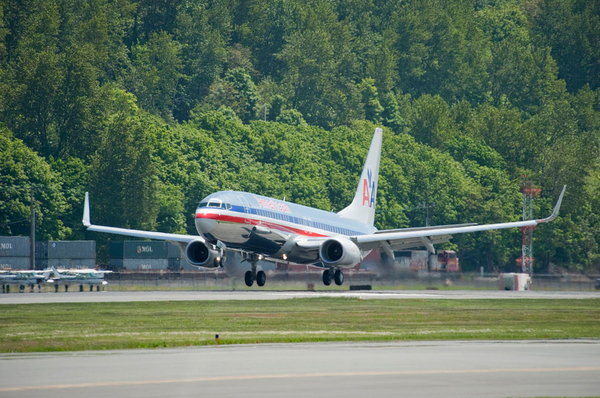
[
  {"x": 198, "y": 253},
  {"x": 339, "y": 252}
]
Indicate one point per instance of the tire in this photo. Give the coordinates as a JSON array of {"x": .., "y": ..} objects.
[
  {"x": 339, "y": 277},
  {"x": 248, "y": 278},
  {"x": 261, "y": 278},
  {"x": 219, "y": 262},
  {"x": 327, "y": 277}
]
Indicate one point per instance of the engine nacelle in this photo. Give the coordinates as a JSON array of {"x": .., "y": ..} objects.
[
  {"x": 200, "y": 254},
  {"x": 339, "y": 252}
]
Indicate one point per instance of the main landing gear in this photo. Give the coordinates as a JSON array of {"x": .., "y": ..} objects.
[
  {"x": 260, "y": 277},
  {"x": 329, "y": 274}
]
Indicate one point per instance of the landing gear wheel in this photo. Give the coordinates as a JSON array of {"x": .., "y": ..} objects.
[
  {"x": 248, "y": 278},
  {"x": 261, "y": 278},
  {"x": 339, "y": 277},
  {"x": 327, "y": 277},
  {"x": 220, "y": 262}
]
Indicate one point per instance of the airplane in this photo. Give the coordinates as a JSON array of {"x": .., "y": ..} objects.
[
  {"x": 81, "y": 276},
  {"x": 263, "y": 228},
  {"x": 24, "y": 277}
]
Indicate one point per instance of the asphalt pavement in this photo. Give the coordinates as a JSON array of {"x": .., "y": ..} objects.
[
  {"x": 112, "y": 296},
  {"x": 411, "y": 369}
]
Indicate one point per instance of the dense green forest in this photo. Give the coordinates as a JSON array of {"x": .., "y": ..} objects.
[{"x": 153, "y": 104}]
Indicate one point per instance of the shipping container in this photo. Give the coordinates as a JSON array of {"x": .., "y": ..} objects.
[
  {"x": 174, "y": 251},
  {"x": 14, "y": 246},
  {"x": 189, "y": 267},
  {"x": 8, "y": 263},
  {"x": 116, "y": 250},
  {"x": 145, "y": 263},
  {"x": 115, "y": 263},
  {"x": 152, "y": 249},
  {"x": 138, "y": 249},
  {"x": 72, "y": 263},
  {"x": 41, "y": 250},
  {"x": 82, "y": 249},
  {"x": 413, "y": 260}
]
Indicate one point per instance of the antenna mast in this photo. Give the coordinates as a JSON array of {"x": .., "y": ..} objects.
[{"x": 529, "y": 192}]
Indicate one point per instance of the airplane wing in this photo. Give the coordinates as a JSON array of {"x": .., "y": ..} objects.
[
  {"x": 428, "y": 236},
  {"x": 133, "y": 232}
]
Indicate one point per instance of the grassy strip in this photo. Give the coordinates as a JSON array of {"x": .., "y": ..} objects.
[{"x": 96, "y": 326}]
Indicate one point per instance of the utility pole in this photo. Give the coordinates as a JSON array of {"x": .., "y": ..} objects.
[
  {"x": 32, "y": 235},
  {"x": 426, "y": 206}
]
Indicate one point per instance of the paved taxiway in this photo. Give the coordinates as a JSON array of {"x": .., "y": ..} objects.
[
  {"x": 107, "y": 297},
  {"x": 421, "y": 369}
]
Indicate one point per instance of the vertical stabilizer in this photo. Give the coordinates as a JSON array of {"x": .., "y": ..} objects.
[{"x": 362, "y": 207}]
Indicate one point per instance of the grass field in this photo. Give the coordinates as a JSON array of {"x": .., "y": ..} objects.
[{"x": 91, "y": 326}]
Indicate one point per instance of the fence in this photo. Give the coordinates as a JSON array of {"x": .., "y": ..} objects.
[{"x": 207, "y": 279}]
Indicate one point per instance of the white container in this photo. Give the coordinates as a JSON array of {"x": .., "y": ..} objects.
[{"x": 514, "y": 281}]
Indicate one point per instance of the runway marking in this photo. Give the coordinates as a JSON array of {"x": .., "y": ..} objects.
[{"x": 293, "y": 376}]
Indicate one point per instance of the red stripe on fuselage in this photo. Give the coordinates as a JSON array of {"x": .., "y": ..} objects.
[{"x": 244, "y": 220}]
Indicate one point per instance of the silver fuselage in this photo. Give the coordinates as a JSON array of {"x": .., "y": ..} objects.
[{"x": 269, "y": 226}]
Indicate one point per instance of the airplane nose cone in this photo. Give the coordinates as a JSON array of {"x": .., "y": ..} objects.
[{"x": 205, "y": 226}]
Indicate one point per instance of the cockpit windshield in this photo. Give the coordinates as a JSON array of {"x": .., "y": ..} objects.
[{"x": 215, "y": 204}]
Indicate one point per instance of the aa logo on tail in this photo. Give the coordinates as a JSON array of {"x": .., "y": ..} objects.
[{"x": 369, "y": 190}]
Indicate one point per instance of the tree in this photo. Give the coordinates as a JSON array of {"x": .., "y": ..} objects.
[
  {"x": 123, "y": 175},
  {"x": 320, "y": 68},
  {"x": 156, "y": 73},
  {"x": 431, "y": 122},
  {"x": 524, "y": 76},
  {"x": 441, "y": 51},
  {"x": 22, "y": 170},
  {"x": 203, "y": 30},
  {"x": 73, "y": 175},
  {"x": 391, "y": 113},
  {"x": 572, "y": 29},
  {"x": 291, "y": 117},
  {"x": 245, "y": 93},
  {"x": 370, "y": 99}
]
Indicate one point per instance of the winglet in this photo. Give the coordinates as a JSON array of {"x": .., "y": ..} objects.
[
  {"x": 556, "y": 207},
  {"x": 86, "y": 211}
]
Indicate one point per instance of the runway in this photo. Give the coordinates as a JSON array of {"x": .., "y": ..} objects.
[
  {"x": 422, "y": 369},
  {"x": 108, "y": 296}
]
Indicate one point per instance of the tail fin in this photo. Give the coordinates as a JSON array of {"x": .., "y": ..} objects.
[{"x": 362, "y": 207}]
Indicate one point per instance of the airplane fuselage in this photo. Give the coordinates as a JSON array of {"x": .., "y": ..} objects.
[{"x": 265, "y": 225}]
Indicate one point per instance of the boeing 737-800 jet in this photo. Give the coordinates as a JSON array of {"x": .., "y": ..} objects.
[{"x": 260, "y": 228}]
